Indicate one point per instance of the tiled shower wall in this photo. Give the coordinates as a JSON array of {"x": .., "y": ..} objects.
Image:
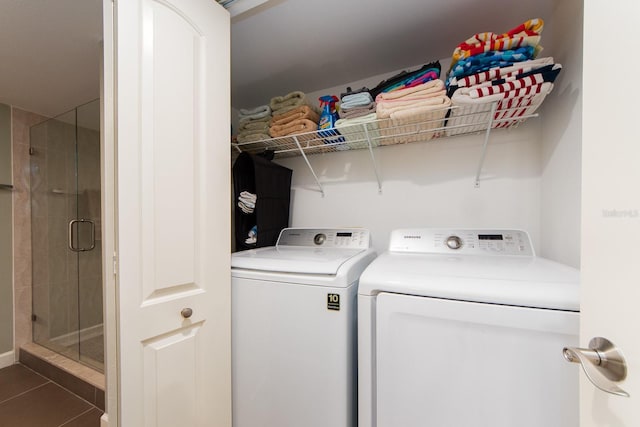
[{"x": 21, "y": 123}]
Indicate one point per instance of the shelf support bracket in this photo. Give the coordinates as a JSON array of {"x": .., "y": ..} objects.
[
  {"x": 494, "y": 106},
  {"x": 295, "y": 138},
  {"x": 373, "y": 158}
]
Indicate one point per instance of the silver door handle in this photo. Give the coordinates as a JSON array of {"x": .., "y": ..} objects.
[
  {"x": 93, "y": 234},
  {"x": 602, "y": 363}
]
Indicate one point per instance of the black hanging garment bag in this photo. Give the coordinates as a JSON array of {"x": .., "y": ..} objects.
[{"x": 271, "y": 183}]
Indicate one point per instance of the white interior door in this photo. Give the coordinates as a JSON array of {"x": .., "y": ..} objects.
[
  {"x": 611, "y": 204},
  {"x": 172, "y": 114}
]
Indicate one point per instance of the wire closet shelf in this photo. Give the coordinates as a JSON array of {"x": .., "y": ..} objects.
[{"x": 433, "y": 124}]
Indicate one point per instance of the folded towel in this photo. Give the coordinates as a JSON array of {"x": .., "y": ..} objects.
[
  {"x": 463, "y": 95},
  {"x": 356, "y": 100},
  {"x": 417, "y": 121},
  {"x": 280, "y": 104},
  {"x": 526, "y": 34},
  {"x": 387, "y": 109},
  {"x": 429, "y": 89},
  {"x": 498, "y": 72},
  {"x": 295, "y": 127},
  {"x": 523, "y": 81},
  {"x": 473, "y": 114},
  {"x": 251, "y": 127},
  {"x": 414, "y": 81},
  {"x": 252, "y": 137},
  {"x": 404, "y": 76},
  {"x": 301, "y": 112},
  {"x": 352, "y": 113},
  {"x": 245, "y": 195},
  {"x": 488, "y": 60},
  {"x": 255, "y": 111},
  {"x": 261, "y": 116},
  {"x": 354, "y": 131}
]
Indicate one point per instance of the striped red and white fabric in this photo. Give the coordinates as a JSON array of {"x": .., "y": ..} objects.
[
  {"x": 473, "y": 114},
  {"x": 511, "y": 85},
  {"x": 501, "y": 73}
]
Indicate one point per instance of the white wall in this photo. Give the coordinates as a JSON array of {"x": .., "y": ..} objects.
[
  {"x": 427, "y": 184},
  {"x": 561, "y": 117}
]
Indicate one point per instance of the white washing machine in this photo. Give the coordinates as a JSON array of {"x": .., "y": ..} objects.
[
  {"x": 293, "y": 328},
  {"x": 461, "y": 328}
]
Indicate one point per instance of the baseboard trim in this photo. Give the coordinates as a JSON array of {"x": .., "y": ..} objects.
[{"x": 7, "y": 359}]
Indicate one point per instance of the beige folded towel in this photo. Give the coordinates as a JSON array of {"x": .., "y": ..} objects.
[
  {"x": 292, "y": 128},
  {"x": 387, "y": 109},
  {"x": 354, "y": 132},
  {"x": 301, "y": 112},
  {"x": 251, "y": 127},
  {"x": 412, "y": 120},
  {"x": 294, "y": 99},
  {"x": 252, "y": 137}
]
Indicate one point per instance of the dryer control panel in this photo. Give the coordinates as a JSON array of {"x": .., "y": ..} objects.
[
  {"x": 347, "y": 238},
  {"x": 463, "y": 241}
]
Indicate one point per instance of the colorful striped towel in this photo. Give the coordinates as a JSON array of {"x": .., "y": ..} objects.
[
  {"x": 497, "y": 73},
  {"x": 526, "y": 34},
  {"x": 488, "y": 60}
]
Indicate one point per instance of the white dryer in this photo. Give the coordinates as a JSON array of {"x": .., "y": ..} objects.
[
  {"x": 293, "y": 328},
  {"x": 461, "y": 328}
]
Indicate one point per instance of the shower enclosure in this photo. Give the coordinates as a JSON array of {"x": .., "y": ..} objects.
[{"x": 65, "y": 232}]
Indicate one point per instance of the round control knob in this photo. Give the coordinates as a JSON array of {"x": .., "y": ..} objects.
[
  {"x": 454, "y": 242},
  {"x": 319, "y": 239}
]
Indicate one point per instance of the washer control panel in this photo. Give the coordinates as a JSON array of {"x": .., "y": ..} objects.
[
  {"x": 348, "y": 238},
  {"x": 463, "y": 241}
]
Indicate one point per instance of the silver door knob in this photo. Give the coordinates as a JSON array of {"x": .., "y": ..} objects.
[
  {"x": 186, "y": 312},
  {"x": 602, "y": 362}
]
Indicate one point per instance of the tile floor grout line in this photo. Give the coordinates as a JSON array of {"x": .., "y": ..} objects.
[
  {"x": 77, "y": 416},
  {"x": 63, "y": 387},
  {"x": 26, "y": 391}
]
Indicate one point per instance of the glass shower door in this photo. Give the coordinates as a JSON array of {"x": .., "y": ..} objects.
[{"x": 66, "y": 253}]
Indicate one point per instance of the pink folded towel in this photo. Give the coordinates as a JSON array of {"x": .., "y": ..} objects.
[{"x": 431, "y": 88}]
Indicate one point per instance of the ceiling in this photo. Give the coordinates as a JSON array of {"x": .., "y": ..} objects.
[
  {"x": 50, "y": 53},
  {"x": 50, "y": 50}
]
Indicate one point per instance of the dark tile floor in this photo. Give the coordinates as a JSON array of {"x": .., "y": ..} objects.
[{"x": 28, "y": 399}]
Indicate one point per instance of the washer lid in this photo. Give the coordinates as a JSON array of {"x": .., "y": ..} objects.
[
  {"x": 510, "y": 280},
  {"x": 291, "y": 259}
]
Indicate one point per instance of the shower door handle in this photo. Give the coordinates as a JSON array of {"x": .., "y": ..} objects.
[{"x": 72, "y": 223}]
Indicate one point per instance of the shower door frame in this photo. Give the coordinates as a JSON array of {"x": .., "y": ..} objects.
[{"x": 67, "y": 265}]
